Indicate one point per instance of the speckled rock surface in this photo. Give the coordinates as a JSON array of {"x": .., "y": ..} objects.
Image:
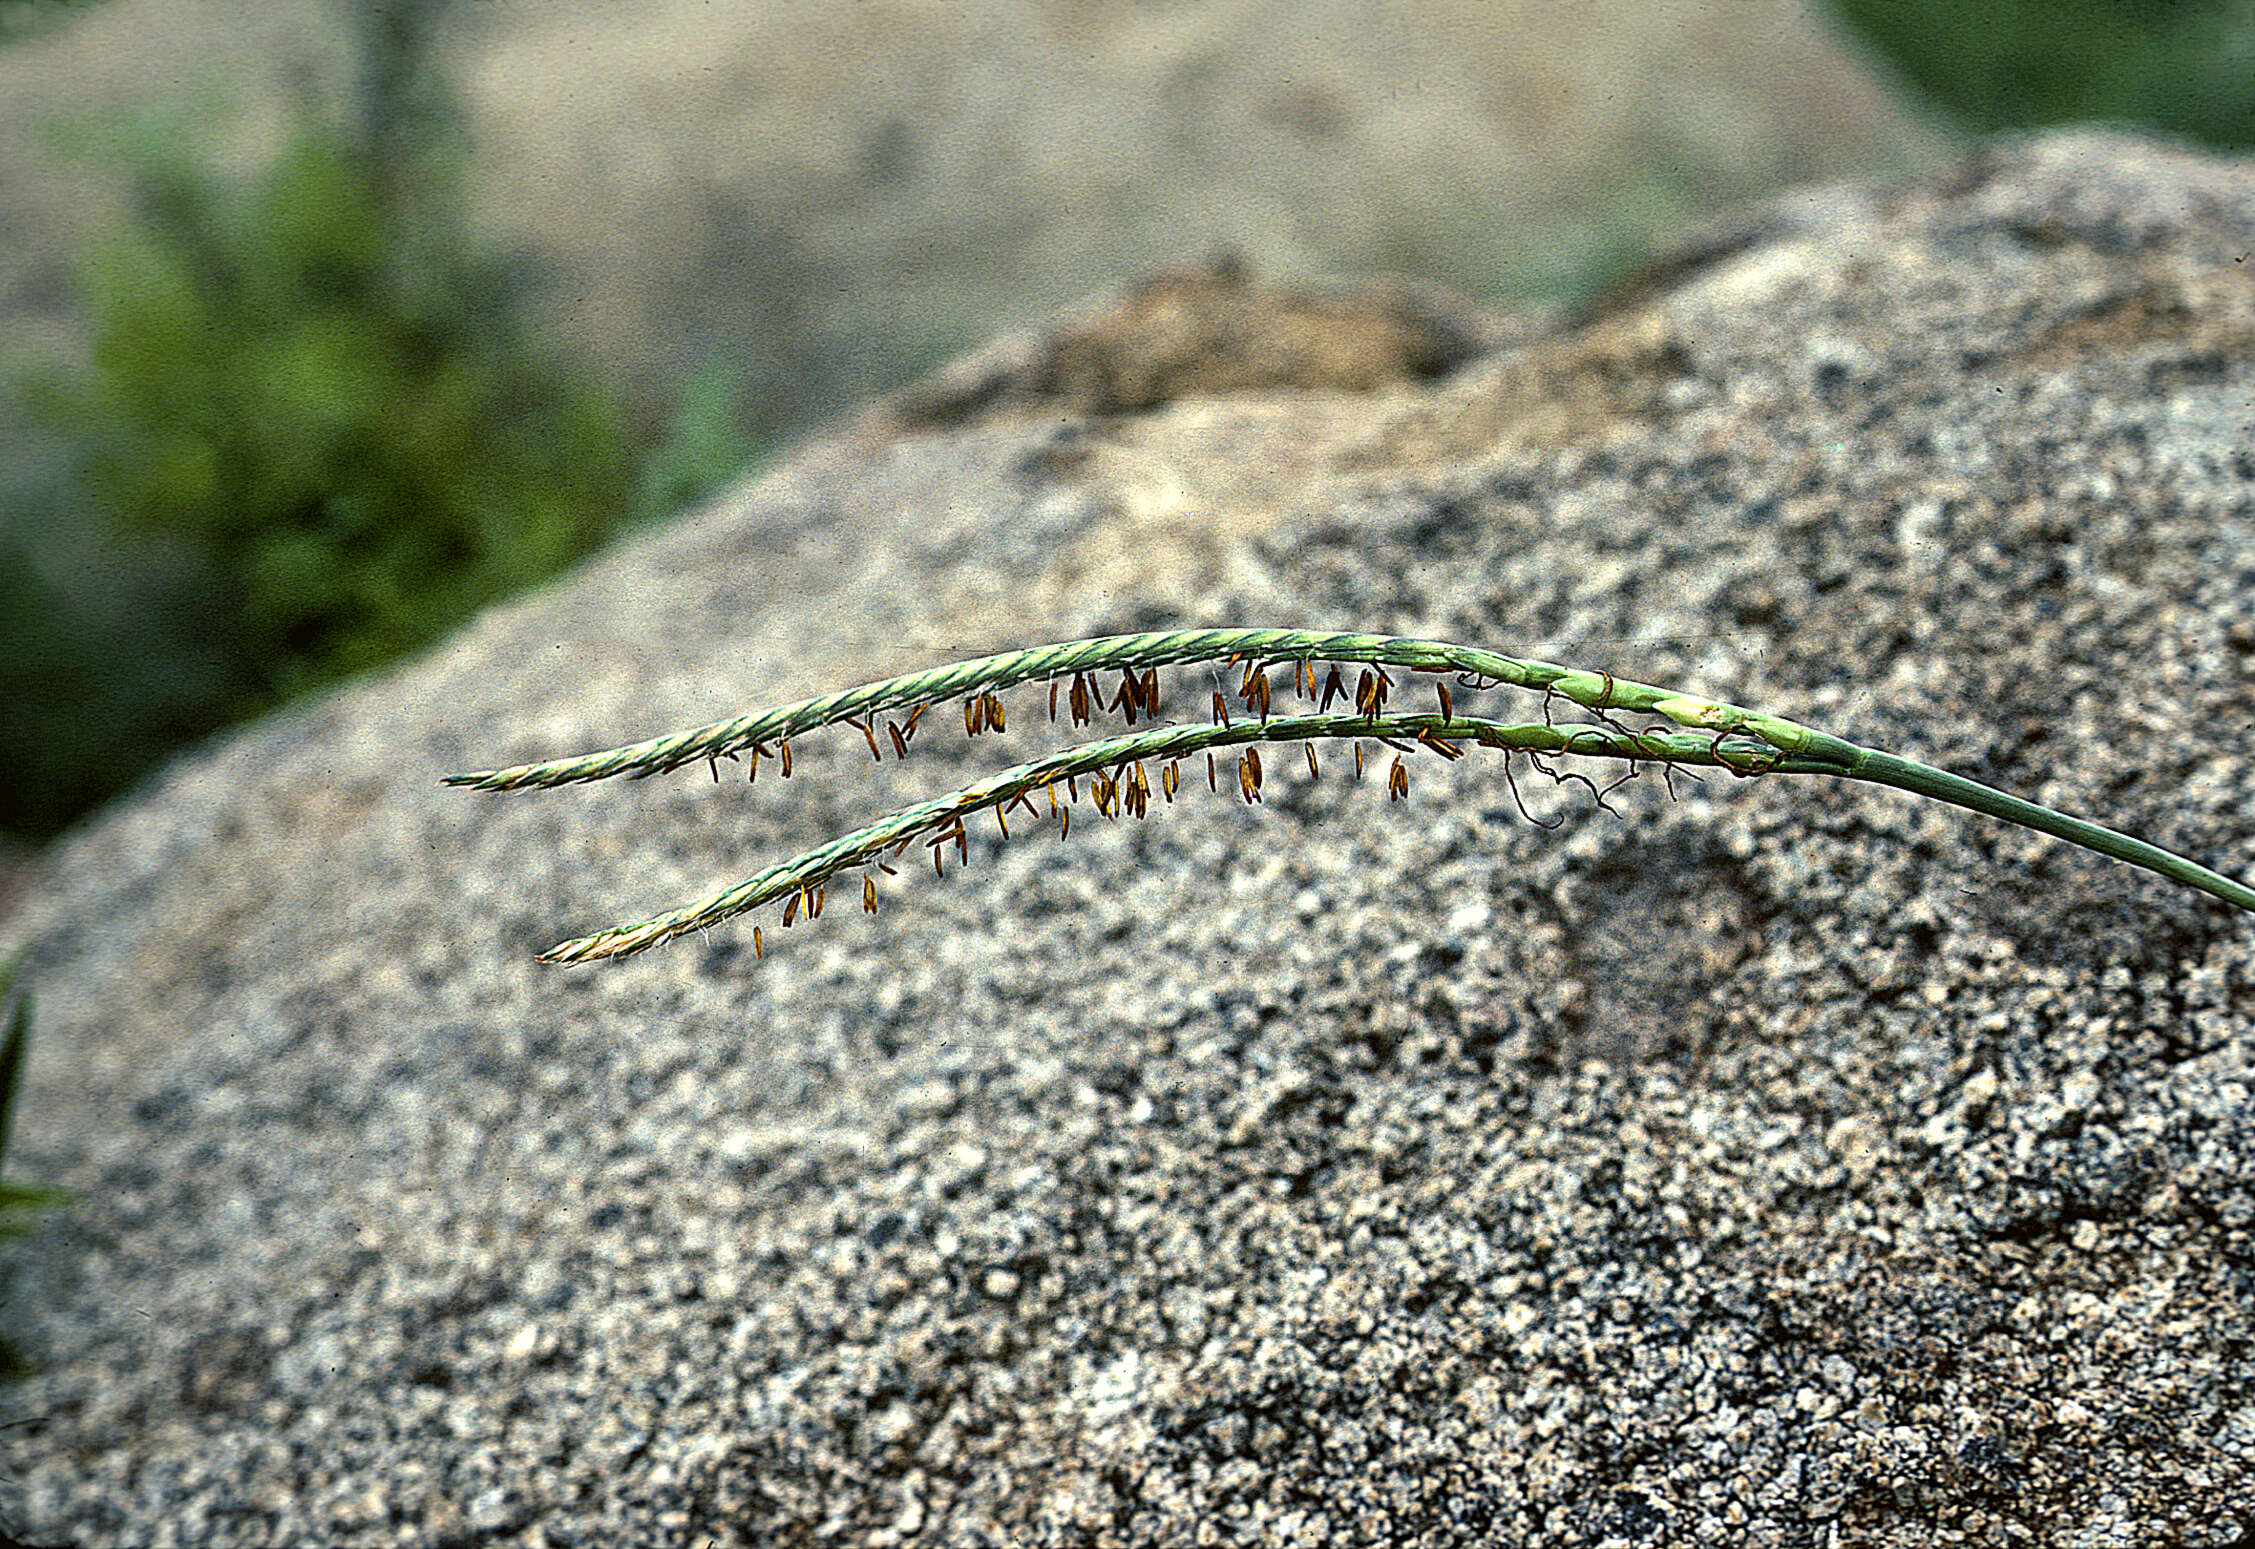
[{"x": 1775, "y": 1164}]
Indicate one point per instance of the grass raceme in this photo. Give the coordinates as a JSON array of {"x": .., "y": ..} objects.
[{"x": 1308, "y": 687}]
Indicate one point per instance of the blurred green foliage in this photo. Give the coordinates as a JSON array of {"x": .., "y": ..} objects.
[
  {"x": 309, "y": 392},
  {"x": 21, "y": 1204},
  {"x": 319, "y": 392},
  {"x": 2182, "y": 67},
  {"x": 20, "y": 19}
]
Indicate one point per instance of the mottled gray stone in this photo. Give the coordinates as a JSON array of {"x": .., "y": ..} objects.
[{"x": 1774, "y": 1164}]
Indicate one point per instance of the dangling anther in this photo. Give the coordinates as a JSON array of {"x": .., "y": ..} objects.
[{"x": 1439, "y": 744}]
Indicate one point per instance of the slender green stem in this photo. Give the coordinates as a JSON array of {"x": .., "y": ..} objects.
[{"x": 1924, "y": 780}]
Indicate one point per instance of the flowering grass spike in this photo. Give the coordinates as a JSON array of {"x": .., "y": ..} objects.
[{"x": 1690, "y": 732}]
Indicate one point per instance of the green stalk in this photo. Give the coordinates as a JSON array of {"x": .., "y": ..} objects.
[
  {"x": 1746, "y": 742},
  {"x": 1925, "y": 780}
]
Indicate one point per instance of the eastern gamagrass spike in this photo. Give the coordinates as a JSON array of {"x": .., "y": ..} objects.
[{"x": 1743, "y": 741}]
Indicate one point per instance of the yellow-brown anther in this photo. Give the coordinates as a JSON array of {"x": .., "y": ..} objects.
[
  {"x": 1249, "y": 774},
  {"x": 1439, "y": 744},
  {"x": 869, "y": 734},
  {"x": 1334, "y": 687},
  {"x": 791, "y": 908},
  {"x": 1255, "y": 693},
  {"x": 1130, "y": 697},
  {"x": 914, "y": 716},
  {"x": 814, "y": 909},
  {"x": 973, "y": 715},
  {"x": 1221, "y": 709},
  {"x": 996, "y": 720},
  {"x": 1077, "y": 701},
  {"x": 783, "y": 750},
  {"x": 1448, "y": 706},
  {"x": 1370, "y": 693},
  {"x": 1309, "y": 749},
  {"x": 868, "y": 895},
  {"x": 1210, "y": 785},
  {"x": 900, "y": 743},
  {"x": 1170, "y": 779},
  {"x": 1397, "y": 780},
  {"x": 759, "y": 947}
]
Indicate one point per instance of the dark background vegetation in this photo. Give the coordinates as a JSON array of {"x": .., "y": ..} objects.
[
  {"x": 312, "y": 431},
  {"x": 315, "y": 423}
]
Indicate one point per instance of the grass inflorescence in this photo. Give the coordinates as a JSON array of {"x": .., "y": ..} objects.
[{"x": 1120, "y": 675}]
